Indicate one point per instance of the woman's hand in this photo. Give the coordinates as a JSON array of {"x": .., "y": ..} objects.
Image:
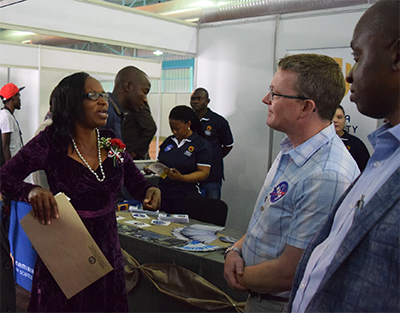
[
  {"x": 43, "y": 204},
  {"x": 147, "y": 170},
  {"x": 152, "y": 201},
  {"x": 174, "y": 174}
]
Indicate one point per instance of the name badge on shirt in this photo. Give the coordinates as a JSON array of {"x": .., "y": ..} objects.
[
  {"x": 279, "y": 191},
  {"x": 169, "y": 147}
]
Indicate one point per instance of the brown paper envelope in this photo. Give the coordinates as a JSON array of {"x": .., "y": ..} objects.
[{"x": 67, "y": 248}]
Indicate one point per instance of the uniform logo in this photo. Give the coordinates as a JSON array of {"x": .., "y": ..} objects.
[
  {"x": 169, "y": 147},
  {"x": 189, "y": 151},
  {"x": 208, "y": 130},
  {"x": 279, "y": 191}
]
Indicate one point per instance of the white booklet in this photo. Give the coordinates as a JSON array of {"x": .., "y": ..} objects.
[
  {"x": 159, "y": 169},
  {"x": 174, "y": 218}
]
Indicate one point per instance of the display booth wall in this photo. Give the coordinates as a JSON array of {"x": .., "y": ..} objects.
[{"x": 235, "y": 63}]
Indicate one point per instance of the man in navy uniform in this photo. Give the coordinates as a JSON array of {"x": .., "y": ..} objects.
[{"x": 219, "y": 134}]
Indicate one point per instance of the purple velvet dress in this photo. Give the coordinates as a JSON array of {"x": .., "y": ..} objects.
[{"x": 95, "y": 203}]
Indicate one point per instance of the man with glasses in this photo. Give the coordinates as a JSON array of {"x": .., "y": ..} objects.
[
  {"x": 352, "y": 264},
  {"x": 308, "y": 176}
]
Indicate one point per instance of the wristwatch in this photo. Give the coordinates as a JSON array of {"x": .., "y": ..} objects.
[{"x": 232, "y": 249}]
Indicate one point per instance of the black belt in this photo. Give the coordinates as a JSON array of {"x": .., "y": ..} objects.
[{"x": 267, "y": 296}]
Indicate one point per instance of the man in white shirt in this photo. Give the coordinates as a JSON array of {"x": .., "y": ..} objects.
[
  {"x": 352, "y": 264},
  {"x": 10, "y": 131}
]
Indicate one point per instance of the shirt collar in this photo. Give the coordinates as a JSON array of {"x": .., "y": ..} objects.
[
  {"x": 117, "y": 106},
  {"x": 303, "y": 152},
  {"x": 384, "y": 131},
  {"x": 206, "y": 116},
  {"x": 180, "y": 144}
]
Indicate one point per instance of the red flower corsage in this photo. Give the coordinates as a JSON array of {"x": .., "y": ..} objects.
[{"x": 115, "y": 147}]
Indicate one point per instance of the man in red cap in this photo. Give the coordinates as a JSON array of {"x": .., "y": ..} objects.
[{"x": 10, "y": 131}]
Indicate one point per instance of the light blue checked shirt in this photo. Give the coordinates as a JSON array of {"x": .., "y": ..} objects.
[{"x": 299, "y": 191}]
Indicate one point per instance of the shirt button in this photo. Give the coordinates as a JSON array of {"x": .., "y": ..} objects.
[
  {"x": 377, "y": 164},
  {"x": 262, "y": 208},
  {"x": 302, "y": 286},
  {"x": 7, "y": 265}
]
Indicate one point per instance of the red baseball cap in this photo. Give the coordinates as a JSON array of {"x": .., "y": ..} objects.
[{"x": 9, "y": 90}]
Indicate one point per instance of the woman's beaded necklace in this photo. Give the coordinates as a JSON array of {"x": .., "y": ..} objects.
[{"x": 86, "y": 163}]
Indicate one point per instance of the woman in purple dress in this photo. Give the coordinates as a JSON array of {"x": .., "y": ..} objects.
[{"x": 78, "y": 161}]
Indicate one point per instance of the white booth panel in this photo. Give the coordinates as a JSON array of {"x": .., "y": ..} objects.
[
  {"x": 18, "y": 55},
  {"x": 235, "y": 65},
  {"x": 94, "y": 62},
  {"x": 100, "y": 21}
]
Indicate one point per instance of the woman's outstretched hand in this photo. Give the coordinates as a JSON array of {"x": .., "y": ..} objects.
[
  {"x": 152, "y": 201},
  {"x": 43, "y": 204}
]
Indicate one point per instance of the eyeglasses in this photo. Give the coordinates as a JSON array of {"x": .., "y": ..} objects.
[
  {"x": 273, "y": 94},
  {"x": 96, "y": 96}
]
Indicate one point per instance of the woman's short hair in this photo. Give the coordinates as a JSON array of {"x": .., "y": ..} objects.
[{"x": 186, "y": 114}]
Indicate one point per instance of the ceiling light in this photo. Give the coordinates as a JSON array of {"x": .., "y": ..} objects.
[{"x": 158, "y": 52}]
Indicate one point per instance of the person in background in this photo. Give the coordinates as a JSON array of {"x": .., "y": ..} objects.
[
  {"x": 307, "y": 177},
  {"x": 355, "y": 146},
  {"x": 11, "y": 132},
  {"x": 11, "y": 136},
  {"x": 353, "y": 262},
  {"x": 7, "y": 294},
  {"x": 219, "y": 135},
  {"x": 75, "y": 156},
  {"x": 129, "y": 112},
  {"x": 188, "y": 157}
]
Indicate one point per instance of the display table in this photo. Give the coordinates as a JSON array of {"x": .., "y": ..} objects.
[{"x": 156, "y": 245}]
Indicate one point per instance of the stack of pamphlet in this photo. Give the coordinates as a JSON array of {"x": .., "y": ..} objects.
[
  {"x": 139, "y": 209},
  {"x": 174, "y": 218}
]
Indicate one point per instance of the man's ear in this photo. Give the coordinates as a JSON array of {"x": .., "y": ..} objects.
[
  {"x": 395, "y": 50},
  {"x": 308, "y": 107},
  {"x": 128, "y": 86}
]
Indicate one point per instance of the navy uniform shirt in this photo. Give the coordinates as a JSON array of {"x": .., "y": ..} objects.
[
  {"x": 218, "y": 134},
  {"x": 357, "y": 149},
  {"x": 193, "y": 151}
]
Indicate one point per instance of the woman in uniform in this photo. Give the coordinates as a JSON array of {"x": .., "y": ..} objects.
[
  {"x": 188, "y": 156},
  {"x": 356, "y": 147}
]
